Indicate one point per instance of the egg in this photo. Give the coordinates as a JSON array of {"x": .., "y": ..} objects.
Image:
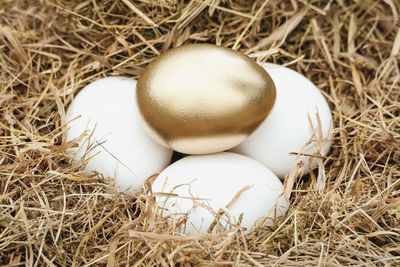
[
  {"x": 287, "y": 129},
  {"x": 106, "y": 113},
  {"x": 202, "y": 98},
  {"x": 237, "y": 190}
]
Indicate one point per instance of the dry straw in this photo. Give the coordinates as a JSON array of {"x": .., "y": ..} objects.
[{"x": 52, "y": 215}]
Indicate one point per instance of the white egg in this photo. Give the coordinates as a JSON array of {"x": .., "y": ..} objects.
[
  {"x": 287, "y": 129},
  {"x": 201, "y": 186},
  {"x": 107, "y": 113}
]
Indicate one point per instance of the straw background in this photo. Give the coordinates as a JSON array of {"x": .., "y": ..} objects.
[{"x": 345, "y": 213}]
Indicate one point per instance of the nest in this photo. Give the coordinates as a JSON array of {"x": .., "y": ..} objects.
[{"x": 345, "y": 213}]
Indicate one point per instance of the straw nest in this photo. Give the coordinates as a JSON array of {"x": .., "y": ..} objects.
[{"x": 345, "y": 213}]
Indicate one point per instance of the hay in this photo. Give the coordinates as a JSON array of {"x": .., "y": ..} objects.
[{"x": 52, "y": 215}]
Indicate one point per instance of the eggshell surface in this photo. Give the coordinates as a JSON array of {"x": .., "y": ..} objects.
[
  {"x": 106, "y": 112},
  {"x": 287, "y": 128},
  {"x": 200, "y": 186},
  {"x": 203, "y": 98}
]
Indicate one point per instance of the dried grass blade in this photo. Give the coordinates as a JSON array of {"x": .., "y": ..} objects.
[
  {"x": 139, "y": 13},
  {"x": 281, "y": 33}
]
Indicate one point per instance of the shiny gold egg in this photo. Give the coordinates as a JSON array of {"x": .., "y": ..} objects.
[{"x": 202, "y": 98}]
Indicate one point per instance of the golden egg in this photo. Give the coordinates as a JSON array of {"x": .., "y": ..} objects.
[{"x": 202, "y": 98}]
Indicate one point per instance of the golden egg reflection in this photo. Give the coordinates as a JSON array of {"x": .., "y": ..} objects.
[{"x": 202, "y": 98}]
